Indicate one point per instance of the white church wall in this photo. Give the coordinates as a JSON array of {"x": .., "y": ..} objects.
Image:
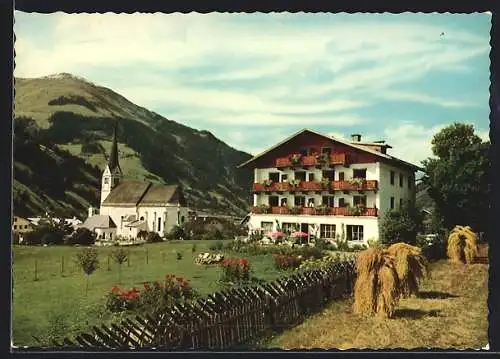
[{"x": 116, "y": 214}]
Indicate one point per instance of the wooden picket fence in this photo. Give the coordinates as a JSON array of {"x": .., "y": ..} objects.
[{"x": 226, "y": 319}]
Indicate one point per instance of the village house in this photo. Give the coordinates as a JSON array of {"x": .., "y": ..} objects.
[
  {"x": 130, "y": 206},
  {"x": 21, "y": 225},
  {"x": 328, "y": 187}
]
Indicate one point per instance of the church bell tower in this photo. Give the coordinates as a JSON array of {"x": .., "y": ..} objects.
[{"x": 112, "y": 173}]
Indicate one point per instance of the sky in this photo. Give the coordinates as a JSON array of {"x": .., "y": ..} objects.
[{"x": 255, "y": 79}]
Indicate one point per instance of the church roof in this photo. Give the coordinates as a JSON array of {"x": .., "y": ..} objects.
[
  {"x": 144, "y": 193},
  {"x": 98, "y": 221}
]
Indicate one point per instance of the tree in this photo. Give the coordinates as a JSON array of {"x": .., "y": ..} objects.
[
  {"x": 457, "y": 178},
  {"x": 119, "y": 256},
  {"x": 87, "y": 260},
  {"x": 401, "y": 225},
  {"x": 82, "y": 236}
]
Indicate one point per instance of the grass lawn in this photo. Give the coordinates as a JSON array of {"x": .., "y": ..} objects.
[
  {"x": 56, "y": 303},
  {"x": 451, "y": 311}
]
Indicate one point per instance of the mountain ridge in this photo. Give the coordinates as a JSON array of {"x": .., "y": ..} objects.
[{"x": 71, "y": 115}]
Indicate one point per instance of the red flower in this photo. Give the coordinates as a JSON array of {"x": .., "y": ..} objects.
[{"x": 115, "y": 289}]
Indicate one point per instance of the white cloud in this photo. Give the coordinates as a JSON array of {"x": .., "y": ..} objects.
[{"x": 425, "y": 99}]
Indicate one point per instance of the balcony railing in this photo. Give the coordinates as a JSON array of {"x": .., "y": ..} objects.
[
  {"x": 316, "y": 186},
  {"x": 355, "y": 185},
  {"x": 313, "y": 160},
  {"x": 318, "y": 211}
]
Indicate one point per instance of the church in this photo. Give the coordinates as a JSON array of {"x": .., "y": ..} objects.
[{"x": 130, "y": 206}]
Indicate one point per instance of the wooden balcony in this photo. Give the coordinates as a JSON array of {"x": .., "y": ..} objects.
[
  {"x": 353, "y": 186},
  {"x": 274, "y": 187},
  {"x": 313, "y": 160},
  {"x": 286, "y": 186},
  {"x": 316, "y": 211}
]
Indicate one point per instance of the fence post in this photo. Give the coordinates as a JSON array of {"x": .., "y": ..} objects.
[
  {"x": 36, "y": 277},
  {"x": 62, "y": 266},
  {"x": 109, "y": 268},
  {"x": 147, "y": 256},
  {"x": 128, "y": 259}
]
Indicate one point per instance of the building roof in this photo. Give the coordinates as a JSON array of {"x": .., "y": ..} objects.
[
  {"x": 98, "y": 221},
  {"x": 359, "y": 146},
  {"x": 144, "y": 193},
  {"x": 136, "y": 224}
]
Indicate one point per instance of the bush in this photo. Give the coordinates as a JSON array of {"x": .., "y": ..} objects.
[
  {"x": 153, "y": 237},
  {"x": 155, "y": 297},
  {"x": 286, "y": 261},
  {"x": 235, "y": 270},
  {"x": 176, "y": 233},
  {"x": 142, "y": 235},
  {"x": 401, "y": 225},
  {"x": 82, "y": 236},
  {"x": 309, "y": 252},
  {"x": 216, "y": 246},
  {"x": 46, "y": 234}
]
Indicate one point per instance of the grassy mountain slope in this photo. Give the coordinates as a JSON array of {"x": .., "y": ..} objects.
[{"x": 74, "y": 117}]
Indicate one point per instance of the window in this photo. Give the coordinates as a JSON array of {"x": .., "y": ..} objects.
[
  {"x": 328, "y": 174},
  {"x": 341, "y": 176},
  {"x": 284, "y": 178},
  {"x": 327, "y": 231},
  {"x": 15, "y": 226},
  {"x": 310, "y": 202},
  {"x": 273, "y": 201},
  {"x": 342, "y": 202},
  {"x": 359, "y": 200},
  {"x": 274, "y": 176},
  {"x": 354, "y": 233},
  {"x": 328, "y": 201},
  {"x": 300, "y": 175},
  {"x": 410, "y": 180},
  {"x": 359, "y": 173},
  {"x": 183, "y": 219},
  {"x": 267, "y": 226},
  {"x": 159, "y": 224},
  {"x": 15, "y": 219},
  {"x": 283, "y": 202},
  {"x": 400, "y": 180},
  {"x": 304, "y": 151},
  {"x": 142, "y": 218},
  {"x": 311, "y": 177},
  {"x": 300, "y": 201},
  {"x": 326, "y": 150},
  {"x": 25, "y": 226},
  {"x": 393, "y": 174},
  {"x": 400, "y": 202},
  {"x": 392, "y": 202},
  {"x": 287, "y": 227},
  {"x": 106, "y": 180}
]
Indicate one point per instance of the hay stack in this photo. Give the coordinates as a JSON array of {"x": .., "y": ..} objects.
[
  {"x": 410, "y": 266},
  {"x": 462, "y": 245},
  {"x": 376, "y": 290}
]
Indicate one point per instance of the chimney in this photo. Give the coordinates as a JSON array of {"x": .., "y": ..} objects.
[
  {"x": 91, "y": 211},
  {"x": 356, "y": 137}
]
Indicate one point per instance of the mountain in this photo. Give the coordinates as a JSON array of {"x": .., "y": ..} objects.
[{"x": 62, "y": 136}]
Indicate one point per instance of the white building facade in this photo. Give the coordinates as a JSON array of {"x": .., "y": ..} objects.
[{"x": 327, "y": 187}]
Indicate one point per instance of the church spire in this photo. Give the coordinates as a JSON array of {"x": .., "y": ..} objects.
[{"x": 113, "y": 156}]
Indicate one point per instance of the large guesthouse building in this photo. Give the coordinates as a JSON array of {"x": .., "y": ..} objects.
[{"x": 328, "y": 187}]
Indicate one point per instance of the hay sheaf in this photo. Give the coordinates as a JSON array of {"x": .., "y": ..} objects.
[
  {"x": 462, "y": 245},
  {"x": 376, "y": 290},
  {"x": 411, "y": 266}
]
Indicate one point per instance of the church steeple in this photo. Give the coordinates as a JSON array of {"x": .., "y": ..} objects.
[
  {"x": 112, "y": 173},
  {"x": 113, "y": 156}
]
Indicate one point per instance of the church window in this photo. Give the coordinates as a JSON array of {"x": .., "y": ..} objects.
[
  {"x": 142, "y": 218},
  {"x": 159, "y": 224},
  {"x": 182, "y": 219},
  {"x": 106, "y": 180}
]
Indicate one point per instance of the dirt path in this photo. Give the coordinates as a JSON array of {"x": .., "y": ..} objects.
[{"x": 450, "y": 312}]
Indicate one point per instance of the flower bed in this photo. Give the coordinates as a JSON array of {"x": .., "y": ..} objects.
[{"x": 208, "y": 258}]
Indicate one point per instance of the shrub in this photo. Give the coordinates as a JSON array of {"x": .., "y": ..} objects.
[
  {"x": 177, "y": 232},
  {"x": 153, "y": 237},
  {"x": 178, "y": 255},
  {"x": 462, "y": 245},
  {"x": 401, "y": 225},
  {"x": 286, "y": 261},
  {"x": 309, "y": 252},
  {"x": 142, "y": 235},
  {"x": 82, "y": 236},
  {"x": 46, "y": 234},
  {"x": 155, "y": 297},
  {"x": 376, "y": 290},
  {"x": 235, "y": 270},
  {"x": 193, "y": 248},
  {"x": 216, "y": 246}
]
